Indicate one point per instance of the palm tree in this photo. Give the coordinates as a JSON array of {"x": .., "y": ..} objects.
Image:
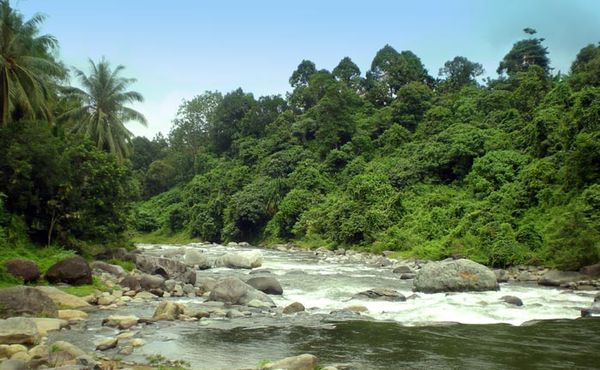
[
  {"x": 27, "y": 67},
  {"x": 102, "y": 114}
]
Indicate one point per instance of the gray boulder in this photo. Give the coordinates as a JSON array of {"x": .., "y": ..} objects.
[
  {"x": 233, "y": 291},
  {"x": 26, "y": 301},
  {"x": 195, "y": 257},
  {"x": 167, "y": 268},
  {"x": 402, "y": 269},
  {"x": 206, "y": 284},
  {"x": 266, "y": 284},
  {"x": 510, "y": 299},
  {"x": 132, "y": 282},
  {"x": 114, "y": 270},
  {"x": 455, "y": 276},
  {"x": 381, "y": 294},
  {"x": 19, "y": 330},
  {"x": 240, "y": 260},
  {"x": 557, "y": 278},
  {"x": 501, "y": 275},
  {"x": 591, "y": 270},
  {"x": 293, "y": 308},
  {"x": 151, "y": 282},
  {"x": 74, "y": 271}
]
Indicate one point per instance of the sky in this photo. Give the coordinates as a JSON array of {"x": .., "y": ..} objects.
[{"x": 180, "y": 48}]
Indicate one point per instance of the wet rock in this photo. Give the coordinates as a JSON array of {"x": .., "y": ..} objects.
[
  {"x": 23, "y": 269},
  {"x": 13, "y": 349},
  {"x": 126, "y": 350},
  {"x": 107, "y": 344},
  {"x": 196, "y": 259},
  {"x": 131, "y": 282},
  {"x": 45, "y": 325},
  {"x": 413, "y": 296},
  {"x": 381, "y": 294},
  {"x": 407, "y": 276},
  {"x": 591, "y": 270},
  {"x": 557, "y": 278},
  {"x": 165, "y": 267},
  {"x": 19, "y": 330},
  {"x": 145, "y": 296},
  {"x": 293, "y": 308},
  {"x": 240, "y": 260},
  {"x": 39, "y": 351},
  {"x": 151, "y": 282},
  {"x": 25, "y": 301},
  {"x": 402, "y": 269},
  {"x": 380, "y": 261},
  {"x": 256, "y": 303},
  {"x": 260, "y": 272},
  {"x": 121, "y": 321},
  {"x": 233, "y": 314},
  {"x": 61, "y": 299},
  {"x": 137, "y": 342},
  {"x": 356, "y": 308},
  {"x": 168, "y": 311},
  {"x": 526, "y": 276},
  {"x": 74, "y": 271},
  {"x": 114, "y": 270},
  {"x": 301, "y": 362},
  {"x": 455, "y": 276},
  {"x": 510, "y": 299},
  {"x": 206, "y": 284},
  {"x": 105, "y": 300},
  {"x": 13, "y": 365},
  {"x": 266, "y": 284},
  {"x": 501, "y": 275},
  {"x": 231, "y": 290}
]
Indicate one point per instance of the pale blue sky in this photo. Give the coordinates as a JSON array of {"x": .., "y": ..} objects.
[{"x": 179, "y": 48}]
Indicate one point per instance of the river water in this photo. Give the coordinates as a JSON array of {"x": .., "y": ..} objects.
[{"x": 432, "y": 331}]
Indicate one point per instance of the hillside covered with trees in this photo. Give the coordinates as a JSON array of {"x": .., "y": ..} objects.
[{"x": 504, "y": 171}]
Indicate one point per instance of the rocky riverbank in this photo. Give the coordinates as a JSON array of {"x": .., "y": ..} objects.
[{"x": 194, "y": 285}]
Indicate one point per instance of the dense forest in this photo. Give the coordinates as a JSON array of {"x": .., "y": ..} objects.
[{"x": 504, "y": 171}]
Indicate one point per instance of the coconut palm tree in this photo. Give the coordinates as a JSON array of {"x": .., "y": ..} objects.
[
  {"x": 27, "y": 67},
  {"x": 102, "y": 114}
]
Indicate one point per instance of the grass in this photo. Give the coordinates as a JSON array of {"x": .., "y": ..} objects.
[
  {"x": 126, "y": 265},
  {"x": 85, "y": 290}
]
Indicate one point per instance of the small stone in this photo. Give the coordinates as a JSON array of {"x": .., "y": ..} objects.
[
  {"x": 137, "y": 342},
  {"x": 72, "y": 315},
  {"x": 294, "y": 308},
  {"x": 512, "y": 300},
  {"x": 107, "y": 344}
]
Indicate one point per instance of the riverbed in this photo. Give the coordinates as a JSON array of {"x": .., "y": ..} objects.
[{"x": 428, "y": 331}]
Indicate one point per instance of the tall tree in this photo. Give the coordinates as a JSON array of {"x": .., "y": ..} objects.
[
  {"x": 346, "y": 71},
  {"x": 525, "y": 53},
  {"x": 27, "y": 67},
  {"x": 459, "y": 72},
  {"x": 103, "y": 114}
]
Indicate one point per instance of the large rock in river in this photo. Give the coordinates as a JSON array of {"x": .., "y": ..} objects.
[
  {"x": 266, "y": 284},
  {"x": 19, "y": 330},
  {"x": 166, "y": 267},
  {"x": 301, "y": 362},
  {"x": 232, "y": 290},
  {"x": 195, "y": 257},
  {"x": 557, "y": 278},
  {"x": 455, "y": 276},
  {"x": 26, "y": 301},
  {"x": 23, "y": 269},
  {"x": 74, "y": 271},
  {"x": 114, "y": 270},
  {"x": 240, "y": 260},
  {"x": 61, "y": 299}
]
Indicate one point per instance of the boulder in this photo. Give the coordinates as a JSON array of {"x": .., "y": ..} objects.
[
  {"x": 23, "y": 269},
  {"x": 356, "y": 308},
  {"x": 302, "y": 362},
  {"x": 240, "y": 260},
  {"x": 72, "y": 315},
  {"x": 106, "y": 300},
  {"x": 402, "y": 269},
  {"x": 266, "y": 284},
  {"x": 19, "y": 330},
  {"x": 114, "y": 270},
  {"x": 13, "y": 365},
  {"x": 45, "y": 325},
  {"x": 407, "y": 276},
  {"x": 206, "y": 284},
  {"x": 591, "y": 270},
  {"x": 151, "y": 282},
  {"x": 165, "y": 267},
  {"x": 62, "y": 346},
  {"x": 120, "y": 321},
  {"x": 74, "y": 271},
  {"x": 196, "y": 258},
  {"x": 61, "y": 299},
  {"x": 168, "y": 310},
  {"x": 132, "y": 282},
  {"x": 510, "y": 299},
  {"x": 455, "y": 276},
  {"x": 25, "y": 301},
  {"x": 293, "y": 308},
  {"x": 231, "y": 290},
  {"x": 501, "y": 275},
  {"x": 107, "y": 344},
  {"x": 557, "y": 278},
  {"x": 381, "y": 294}
]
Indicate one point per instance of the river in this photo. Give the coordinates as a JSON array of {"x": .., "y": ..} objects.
[{"x": 432, "y": 331}]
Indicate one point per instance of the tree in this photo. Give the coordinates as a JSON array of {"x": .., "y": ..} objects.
[
  {"x": 523, "y": 54},
  {"x": 585, "y": 70},
  {"x": 27, "y": 68},
  {"x": 102, "y": 114},
  {"x": 193, "y": 120},
  {"x": 302, "y": 74},
  {"x": 459, "y": 72},
  {"x": 346, "y": 71}
]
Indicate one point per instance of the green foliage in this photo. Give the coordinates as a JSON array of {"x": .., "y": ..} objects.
[{"x": 504, "y": 173}]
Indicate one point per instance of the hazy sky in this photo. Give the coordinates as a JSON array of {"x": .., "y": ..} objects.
[{"x": 180, "y": 48}]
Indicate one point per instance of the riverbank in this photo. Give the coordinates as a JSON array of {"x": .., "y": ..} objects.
[{"x": 180, "y": 302}]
